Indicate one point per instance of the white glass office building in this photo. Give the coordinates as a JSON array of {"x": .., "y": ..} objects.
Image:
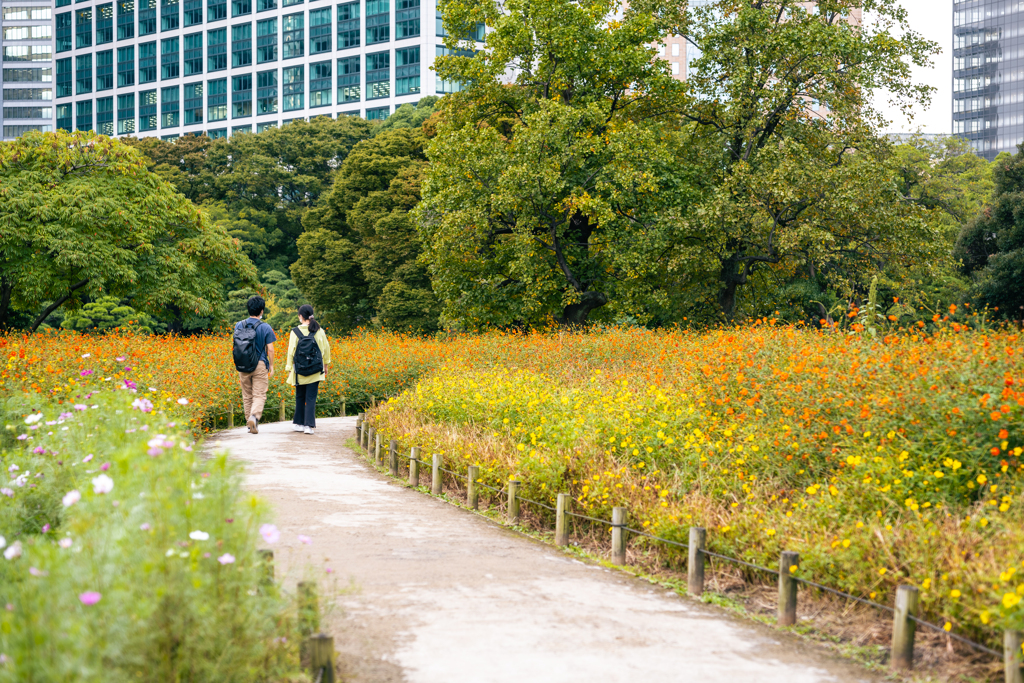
[{"x": 169, "y": 67}]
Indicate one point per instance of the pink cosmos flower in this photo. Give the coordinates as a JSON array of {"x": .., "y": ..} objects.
[
  {"x": 87, "y": 458},
  {"x": 226, "y": 558},
  {"x": 85, "y": 373},
  {"x": 81, "y": 406},
  {"x": 37, "y": 572},
  {"x": 330, "y": 571},
  {"x": 105, "y": 466},
  {"x": 90, "y": 597},
  {"x": 154, "y": 452},
  {"x": 7, "y": 492},
  {"x": 46, "y": 528},
  {"x": 270, "y": 533},
  {"x": 143, "y": 404},
  {"x": 22, "y": 437},
  {"x": 305, "y": 539},
  {"x": 38, "y": 450},
  {"x": 145, "y": 526},
  {"x": 121, "y": 359},
  {"x": 65, "y": 543},
  {"x": 70, "y": 498}
]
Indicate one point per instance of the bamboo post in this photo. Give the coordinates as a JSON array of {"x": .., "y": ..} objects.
[
  {"x": 309, "y": 610},
  {"x": 513, "y": 502},
  {"x": 472, "y": 490},
  {"x": 393, "y": 457},
  {"x": 321, "y": 658},
  {"x": 618, "y": 535},
  {"x": 280, "y": 411},
  {"x": 1012, "y": 656},
  {"x": 904, "y": 628},
  {"x": 787, "y": 588},
  {"x": 267, "y": 558},
  {"x": 561, "y": 530},
  {"x": 344, "y": 406},
  {"x": 231, "y": 417},
  {"x": 695, "y": 565},
  {"x": 435, "y": 475},
  {"x": 376, "y": 449},
  {"x": 414, "y": 466}
]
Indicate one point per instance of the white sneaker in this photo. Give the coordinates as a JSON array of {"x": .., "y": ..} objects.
[
  {"x": 297, "y": 428},
  {"x": 253, "y": 424},
  {"x": 308, "y": 430}
]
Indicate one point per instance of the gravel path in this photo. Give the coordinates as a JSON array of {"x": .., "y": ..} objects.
[{"x": 435, "y": 594}]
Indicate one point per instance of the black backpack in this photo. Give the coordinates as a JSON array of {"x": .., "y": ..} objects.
[
  {"x": 308, "y": 359},
  {"x": 244, "y": 348}
]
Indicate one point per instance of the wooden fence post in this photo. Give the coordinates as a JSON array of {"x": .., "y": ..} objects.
[
  {"x": 369, "y": 440},
  {"x": 472, "y": 490},
  {"x": 414, "y": 466},
  {"x": 561, "y": 530},
  {"x": 344, "y": 407},
  {"x": 231, "y": 417},
  {"x": 321, "y": 658},
  {"x": 280, "y": 411},
  {"x": 373, "y": 401},
  {"x": 309, "y": 610},
  {"x": 618, "y": 536},
  {"x": 513, "y": 502},
  {"x": 435, "y": 475},
  {"x": 376, "y": 449},
  {"x": 904, "y": 628},
  {"x": 393, "y": 457},
  {"x": 695, "y": 565},
  {"x": 787, "y": 587},
  {"x": 1012, "y": 656}
]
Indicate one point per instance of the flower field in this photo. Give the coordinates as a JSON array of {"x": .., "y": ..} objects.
[{"x": 882, "y": 459}]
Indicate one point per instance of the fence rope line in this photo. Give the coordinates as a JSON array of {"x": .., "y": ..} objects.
[{"x": 842, "y": 594}]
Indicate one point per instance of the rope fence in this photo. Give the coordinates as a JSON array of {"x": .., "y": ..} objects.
[{"x": 905, "y": 619}]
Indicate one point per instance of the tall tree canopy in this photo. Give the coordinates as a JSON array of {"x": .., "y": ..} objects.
[{"x": 82, "y": 216}]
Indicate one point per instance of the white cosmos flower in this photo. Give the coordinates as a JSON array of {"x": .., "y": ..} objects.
[
  {"x": 14, "y": 551},
  {"x": 102, "y": 484},
  {"x": 70, "y": 498},
  {"x": 32, "y": 419},
  {"x": 199, "y": 536}
]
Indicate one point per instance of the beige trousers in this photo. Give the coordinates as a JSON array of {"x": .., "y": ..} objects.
[{"x": 254, "y": 390}]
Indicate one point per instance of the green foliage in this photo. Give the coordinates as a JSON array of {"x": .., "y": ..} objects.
[
  {"x": 170, "y": 551},
  {"x": 991, "y": 246},
  {"x": 110, "y": 313},
  {"x": 358, "y": 257},
  {"x": 83, "y": 216},
  {"x": 409, "y": 115},
  {"x": 283, "y": 300}
]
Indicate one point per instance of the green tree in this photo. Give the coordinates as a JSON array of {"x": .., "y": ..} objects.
[
  {"x": 409, "y": 115},
  {"x": 108, "y": 314},
  {"x": 991, "y": 246},
  {"x": 84, "y": 217},
  {"x": 282, "y": 296},
  {"x": 359, "y": 255}
]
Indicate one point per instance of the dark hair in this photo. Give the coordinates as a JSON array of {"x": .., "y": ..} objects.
[
  {"x": 306, "y": 311},
  {"x": 255, "y": 304}
]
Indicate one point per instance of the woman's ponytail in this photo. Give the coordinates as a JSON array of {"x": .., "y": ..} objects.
[{"x": 306, "y": 311}]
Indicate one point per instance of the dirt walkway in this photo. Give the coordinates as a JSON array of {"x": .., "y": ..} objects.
[{"x": 440, "y": 595}]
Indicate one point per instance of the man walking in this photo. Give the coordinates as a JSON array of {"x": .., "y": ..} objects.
[{"x": 254, "y": 359}]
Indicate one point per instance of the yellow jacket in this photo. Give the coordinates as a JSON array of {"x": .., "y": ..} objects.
[{"x": 293, "y": 343}]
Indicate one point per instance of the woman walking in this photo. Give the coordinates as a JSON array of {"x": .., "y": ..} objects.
[{"x": 309, "y": 354}]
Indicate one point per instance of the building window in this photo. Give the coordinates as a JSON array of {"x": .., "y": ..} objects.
[
  {"x": 15, "y": 94},
  {"x": 147, "y": 17},
  {"x": 193, "y": 54},
  {"x": 105, "y": 24},
  {"x": 266, "y": 41},
  {"x": 348, "y": 80},
  {"x": 379, "y": 114},
  {"x": 320, "y": 85},
  {"x": 147, "y": 62},
  {"x": 217, "y": 100},
  {"x": 217, "y": 133},
  {"x": 241, "y": 45},
  {"x": 294, "y": 39},
  {"x": 28, "y": 53},
  {"x": 378, "y": 75},
  {"x": 449, "y": 86},
  {"x": 63, "y": 34},
  {"x": 125, "y": 19},
  {"x": 147, "y": 110},
  {"x": 348, "y": 25},
  {"x": 217, "y": 49},
  {"x": 126, "y": 114},
  {"x": 241, "y": 96},
  {"x": 407, "y": 71},
  {"x": 378, "y": 21},
  {"x": 193, "y": 13},
  {"x": 170, "y": 59},
  {"x": 105, "y": 116},
  {"x": 293, "y": 81},
  {"x": 193, "y": 103},
  {"x": 264, "y": 5},
  {"x": 478, "y": 33},
  {"x": 83, "y": 32},
  {"x": 105, "y": 70},
  {"x": 29, "y": 75},
  {"x": 289, "y": 3},
  {"x": 64, "y": 77},
  {"x": 18, "y": 131},
  {"x": 169, "y": 17},
  {"x": 235, "y": 130},
  {"x": 27, "y": 33},
  {"x": 169, "y": 107},
  {"x": 125, "y": 66},
  {"x": 83, "y": 115},
  {"x": 37, "y": 112},
  {"x": 319, "y": 31},
  {"x": 240, "y": 8},
  {"x": 407, "y": 19},
  {"x": 27, "y": 14},
  {"x": 64, "y": 121},
  {"x": 83, "y": 74},
  {"x": 216, "y": 10},
  {"x": 260, "y": 127},
  {"x": 266, "y": 92}
]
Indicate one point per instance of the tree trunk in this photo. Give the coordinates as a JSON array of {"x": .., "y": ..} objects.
[
  {"x": 57, "y": 304},
  {"x": 575, "y": 315},
  {"x": 6, "y": 288},
  {"x": 731, "y": 277}
]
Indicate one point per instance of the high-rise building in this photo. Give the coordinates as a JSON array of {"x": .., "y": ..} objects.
[
  {"x": 988, "y": 74},
  {"x": 170, "y": 67}
]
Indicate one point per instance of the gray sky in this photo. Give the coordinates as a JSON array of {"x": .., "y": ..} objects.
[{"x": 933, "y": 19}]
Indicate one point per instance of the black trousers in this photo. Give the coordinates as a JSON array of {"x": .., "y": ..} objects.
[{"x": 305, "y": 404}]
